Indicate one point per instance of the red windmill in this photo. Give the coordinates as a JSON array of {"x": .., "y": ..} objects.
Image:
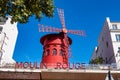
[{"x": 56, "y": 45}]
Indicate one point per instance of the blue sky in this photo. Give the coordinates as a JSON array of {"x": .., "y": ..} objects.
[{"x": 88, "y": 15}]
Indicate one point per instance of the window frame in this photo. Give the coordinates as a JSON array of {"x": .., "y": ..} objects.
[
  {"x": 117, "y": 37},
  {"x": 54, "y": 51},
  {"x": 47, "y": 52},
  {"x": 1, "y": 28},
  {"x": 114, "y": 26},
  {"x": 61, "y": 52}
]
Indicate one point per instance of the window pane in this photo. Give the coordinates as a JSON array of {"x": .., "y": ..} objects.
[
  {"x": 61, "y": 52},
  {"x": 47, "y": 52},
  {"x": 0, "y": 55},
  {"x": 119, "y": 48},
  {"x": 114, "y": 26},
  {"x": 1, "y": 28},
  {"x": 54, "y": 52},
  {"x": 117, "y": 37}
]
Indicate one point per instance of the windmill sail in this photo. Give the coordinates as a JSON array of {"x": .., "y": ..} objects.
[{"x": 109, "y": 76}]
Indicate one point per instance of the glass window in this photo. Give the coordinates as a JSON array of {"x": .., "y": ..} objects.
[
  {"x": 54, "y": 51},
  {"x": 114, "y": 26},
  {"x": 1, "y": 28},
  {"x": 118, "y": 53},
  {"x": 118, "y": 37},
  {"x": 1, "y": 55},
  {"x": 119, "y": 50},
  {"x": 47, "y": 52},
  {"x": 107, "y": 44},
  {"x": 61, "y": 52}
]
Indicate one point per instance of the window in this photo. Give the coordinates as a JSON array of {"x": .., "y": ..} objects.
[
  {"x": 54, "y": 51},
  {"x": 114, "y": 26},
  {"x": 1, "y": 28},
  {"x": 118, "y": 52},
  {"x": 119, "y": 49},
  {"x": 61, "y": 52},
  {"x": 106, "y": 60},
  {"x": 1, "y": 55},
  {"x": 118, "y": 37},
  {"x": 47, "y": 52},
  {"x": 107, "y": 44}
]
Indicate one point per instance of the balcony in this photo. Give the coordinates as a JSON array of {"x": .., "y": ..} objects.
[{"x": 114, "y": 30}]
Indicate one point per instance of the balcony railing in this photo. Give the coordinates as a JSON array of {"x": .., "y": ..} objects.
[{"x": 114, "y": 30}]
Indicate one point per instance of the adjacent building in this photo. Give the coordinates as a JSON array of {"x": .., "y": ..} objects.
[
  {"x": 109, "y": 43},
  {"x": 8, "y": 36}
]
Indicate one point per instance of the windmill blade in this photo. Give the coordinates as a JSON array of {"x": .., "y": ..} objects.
[
  {"x": 61, "y": 16},
  {"x": 43, "y": 28},
  {"x": 77, "y": 32}
]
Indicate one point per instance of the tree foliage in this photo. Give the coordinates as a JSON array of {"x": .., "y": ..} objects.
[
  {"x": 21, "y": 10},
  {"x": 98, "y": 60}
]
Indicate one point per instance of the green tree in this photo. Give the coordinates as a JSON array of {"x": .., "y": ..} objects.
[
  {"x": 98, "y": 60},
  {"x": 21, "y": 10}
]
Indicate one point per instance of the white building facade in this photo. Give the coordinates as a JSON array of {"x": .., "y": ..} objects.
[
  {"x": 8, "y": 37},
  {"x": 109, "y": 43}
]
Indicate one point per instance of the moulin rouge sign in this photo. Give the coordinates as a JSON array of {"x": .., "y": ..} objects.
[{"x": 58, "y": 65}]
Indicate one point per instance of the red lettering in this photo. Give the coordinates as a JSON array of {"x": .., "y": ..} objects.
[
  {"x": 43, "y": 65},
  {"x": 64, "y": 65},
  {"x": 17, "y": 65},
  {"x": 58, "y": 65}
]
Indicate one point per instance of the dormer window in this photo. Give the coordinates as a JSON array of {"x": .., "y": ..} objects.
[{"x": 114, "y": 26}]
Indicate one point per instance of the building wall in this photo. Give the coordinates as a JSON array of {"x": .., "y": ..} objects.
[
  {"x": 105, "y": 41},
  {"x": 10, "y": 33},
  {"x": 105, "y": 44},
  {"x": 115, "y": 41}
]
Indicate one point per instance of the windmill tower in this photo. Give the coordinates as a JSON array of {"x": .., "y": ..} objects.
[{"x": 56, "y": 45}]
